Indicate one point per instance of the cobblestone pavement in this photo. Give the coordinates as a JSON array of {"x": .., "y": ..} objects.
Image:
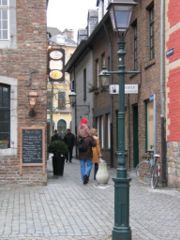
[{"x": 66, "y": 209}]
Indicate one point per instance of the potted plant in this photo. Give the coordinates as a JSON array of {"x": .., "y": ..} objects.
[{"x": 60, "y": 151}]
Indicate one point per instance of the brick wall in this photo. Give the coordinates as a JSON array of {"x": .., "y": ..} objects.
[
  {"x": 173, "y": 89},
  {"x": 19, "y": 63}
]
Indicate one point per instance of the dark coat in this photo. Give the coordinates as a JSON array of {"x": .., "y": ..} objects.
[
  {"x": 87, "y": 155},
  {"x": 70, "y": 139}
]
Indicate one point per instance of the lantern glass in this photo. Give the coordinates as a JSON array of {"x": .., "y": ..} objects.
[
  {"x": 120, "y": 13},
  {"x": 72, "y": 98}
]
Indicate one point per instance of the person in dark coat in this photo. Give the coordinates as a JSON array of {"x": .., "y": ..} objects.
[
  {"x": 55, "y": 136},
  {"x": 85, "y": 143},
  {"x": 70, "y": 140}
]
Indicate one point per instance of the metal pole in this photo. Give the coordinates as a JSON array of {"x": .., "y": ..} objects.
[
  {"x": 75, "y": 116},
  {"x": 51, "y": 110},
  {"x": 121, "y": 229}
]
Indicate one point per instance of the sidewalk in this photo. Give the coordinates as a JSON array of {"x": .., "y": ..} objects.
[{"x": 66, "y": 209}]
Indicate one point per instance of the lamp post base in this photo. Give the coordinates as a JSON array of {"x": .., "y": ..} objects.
[
  {"x": 121, "y": 234},
  {"x": 121, "y": 229}
]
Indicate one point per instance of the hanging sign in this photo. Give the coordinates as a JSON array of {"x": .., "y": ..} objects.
[{"x": 56, "y": 64}]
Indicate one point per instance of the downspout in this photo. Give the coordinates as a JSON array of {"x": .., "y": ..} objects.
[
  {"x": 111, "y": 98},
  {"x": 162, "y": 94},
  {"x": 75, "y": 108}
]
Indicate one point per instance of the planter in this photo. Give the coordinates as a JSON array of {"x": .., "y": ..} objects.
[
  {"x": 102, "y": 176},
  {"x": 59, "y": 150},
  {"x": 58, "y": 165}
]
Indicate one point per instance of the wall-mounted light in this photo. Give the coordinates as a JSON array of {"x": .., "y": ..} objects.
[
  {"x": 32, "y": 97},
  {"x": 72, "y": 98},
  {"x": 105, "y": 77}
]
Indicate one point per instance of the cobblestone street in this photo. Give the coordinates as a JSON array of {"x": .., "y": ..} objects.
[{"x": 66, "y": 209}]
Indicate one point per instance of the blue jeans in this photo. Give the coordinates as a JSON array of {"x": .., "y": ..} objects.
[{"x": 86, "y": 166}]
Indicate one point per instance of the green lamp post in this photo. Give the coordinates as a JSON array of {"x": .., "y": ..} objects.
[{"x": 120, "y": 14}]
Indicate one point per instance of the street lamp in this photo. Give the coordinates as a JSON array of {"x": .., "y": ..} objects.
[{"x": 120, "y": 14}]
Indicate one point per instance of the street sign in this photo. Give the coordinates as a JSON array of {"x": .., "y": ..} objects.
[
  {"x": 169, "y": 52},
  {"x": 129, "y": 89}
]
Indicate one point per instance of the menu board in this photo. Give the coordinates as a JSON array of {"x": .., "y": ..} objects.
[{"x": 32, "y": 145}]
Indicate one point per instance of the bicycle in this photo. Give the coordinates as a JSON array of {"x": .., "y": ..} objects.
[{"x": 148, "y": 170}]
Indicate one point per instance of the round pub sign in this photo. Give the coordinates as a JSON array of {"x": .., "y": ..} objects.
[{"x": 56, "y": 64}]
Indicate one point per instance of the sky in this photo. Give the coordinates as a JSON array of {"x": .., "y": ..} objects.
[{"x": 71, "y": 14}]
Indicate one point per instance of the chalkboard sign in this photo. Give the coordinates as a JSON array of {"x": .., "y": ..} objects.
[{"x": 32, "y": 145}]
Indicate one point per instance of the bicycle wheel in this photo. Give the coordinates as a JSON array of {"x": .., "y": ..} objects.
[
  {"x": 155, "y": 177},
  {"x": 143, "y": 171}
]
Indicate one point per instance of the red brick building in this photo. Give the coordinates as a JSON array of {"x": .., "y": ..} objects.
[
  {"x": 23, "y": 53},
  {"x": 173, "y": 90}
]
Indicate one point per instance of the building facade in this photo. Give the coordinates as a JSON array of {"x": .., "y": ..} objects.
[
  {"x": 23, "y": 77},
  {"x": 59, "y": 113},
  {"x": 143, "y": 124},
  {"x": 172, "y": 61},
  {"x": 80, "y": 67}
]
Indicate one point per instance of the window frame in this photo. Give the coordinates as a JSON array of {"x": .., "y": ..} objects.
[
  {"x": 151, "y": 42},
  {"x": 135, "y": 45},
  {"x": 6, "y": 109},
  {"x": 97, "y": 70},
  {"x": 12, "y": 82},
  {"x": 149, "y": 133},
  {"x": 61, "y": 104},
  {"x": 10, "y": 42},
  {"x": 6, "y": 9},
  {"x": 84, "y": 84}
]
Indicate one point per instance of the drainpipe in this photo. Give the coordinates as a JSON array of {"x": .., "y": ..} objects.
[
  {"x": 162, "y": 94},
  {"x": 111, "y": 97}
]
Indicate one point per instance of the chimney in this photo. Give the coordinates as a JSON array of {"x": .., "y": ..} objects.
[
  {"x": 82, "y": 35},
  {"x": 92, "y": 20}
]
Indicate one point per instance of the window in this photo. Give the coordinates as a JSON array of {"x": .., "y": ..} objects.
[
  {"x": 7, "y": 23},
  {"x": 4, "y": 116},
  {"x": 4, "y": 34},
  {"x": 8, "y": 116},
  {"x": 102, "y": 60},
  {"x": 135, "y": 55},
  {"x": 61, "y": 100},
  {"x": 61, "y": 127},
  {"x": 150, "y": 10},
  {"x": 84, "y": 85},
  {"x": 107, "y": 135},
  {"x": 149, "y": 110},
  {"x": 97, "y": 73},
  {"x": 72, "y": 86},
  {"x": 49, "y": 100},
  {"x": 102, "y": 131}
]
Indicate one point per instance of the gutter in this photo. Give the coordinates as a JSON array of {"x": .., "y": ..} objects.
[{"x": 162, "y": 94}]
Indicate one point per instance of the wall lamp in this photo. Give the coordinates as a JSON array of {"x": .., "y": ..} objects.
[
  {"x": 72, "y": 99},
  {"x": 32, "y": 97}
]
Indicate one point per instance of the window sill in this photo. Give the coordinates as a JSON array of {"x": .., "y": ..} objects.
[
  {"x": 8, "y": 152},
  {"x": 150, "y": 64},
  {"x": 133, "y": 75}
]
